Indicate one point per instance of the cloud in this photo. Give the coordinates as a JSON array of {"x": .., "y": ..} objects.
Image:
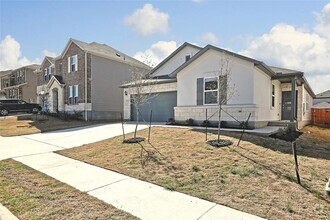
[
  {"x": 297, "y": 48},
  {"x": 49, "y": 53},
  {"x": 210, "y": 37},
  {"x": 11, "y": 55},
  {"x": 148, "y": 20},
  {"x": 157, "y": 52},
  {"x": 323, "y": 22}
]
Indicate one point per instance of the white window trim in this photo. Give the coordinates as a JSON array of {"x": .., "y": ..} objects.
[
  {"x": 45, "y": 74},
  {"x": 70, "y": 95},
  {"x": 76, "y": 93},
  {"x": 217, "y": 90},
  {"x": 272, "y": 95},
  {"x": 70, "y": 64}
]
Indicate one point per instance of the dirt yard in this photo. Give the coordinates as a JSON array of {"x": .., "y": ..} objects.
[
  {"x": 29, "y": 194},
  {"x": 257, "y": 177}
]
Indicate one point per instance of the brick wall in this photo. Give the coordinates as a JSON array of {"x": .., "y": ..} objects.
[
  {"x": 76, "y": 77},
  {"x": 40, "y": 74}
]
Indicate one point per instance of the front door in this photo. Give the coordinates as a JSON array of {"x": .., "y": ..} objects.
[{"x": 286, "y": 105}]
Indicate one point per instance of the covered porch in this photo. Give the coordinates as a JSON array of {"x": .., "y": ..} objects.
[{"x": 295, "y": 100}]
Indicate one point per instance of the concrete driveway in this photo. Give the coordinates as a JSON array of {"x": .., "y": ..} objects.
[{"x": 11, "y": 147}]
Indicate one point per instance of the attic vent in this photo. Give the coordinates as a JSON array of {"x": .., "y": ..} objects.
[{"x": 117, "y": 54}]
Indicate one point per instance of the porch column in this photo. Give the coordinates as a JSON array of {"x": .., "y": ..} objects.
[{"x": 293, "y": 100}]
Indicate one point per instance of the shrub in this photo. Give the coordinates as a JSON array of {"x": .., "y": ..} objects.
[
  {"x": 190, "y": 121},
  {"x": 206, "y": 123},
  {"x": 170, "y": 121}
]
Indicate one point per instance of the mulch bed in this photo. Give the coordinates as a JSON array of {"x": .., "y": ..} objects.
[{"x": 220, "y": 143}]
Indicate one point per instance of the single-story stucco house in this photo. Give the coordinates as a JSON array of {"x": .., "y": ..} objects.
[{"x": 270, "y": 94}]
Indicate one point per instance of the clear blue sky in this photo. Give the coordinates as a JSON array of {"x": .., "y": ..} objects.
[{"x": 40, "y": 25}]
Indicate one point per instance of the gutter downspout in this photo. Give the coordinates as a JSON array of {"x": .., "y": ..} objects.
[
  {"x": 293, "y": 100},
  {"x": 86, "y": 116}
]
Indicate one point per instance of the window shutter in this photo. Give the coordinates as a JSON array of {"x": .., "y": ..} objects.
[
  {"x": 200, "y": 91},
  {"x": 223, "y": 89},
  {"x": 76, "y": 62},
  {"x": 69, "y": 66}
]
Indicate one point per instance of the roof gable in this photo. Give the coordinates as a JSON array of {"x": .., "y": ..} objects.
[
  {"x": 55, "y": 79},
  {"x": 104, "y": 51},
  {"x": 257, "y": 63},
  {"x": 171, "y": 56}
]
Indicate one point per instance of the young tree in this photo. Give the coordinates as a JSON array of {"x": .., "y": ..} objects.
[
  {"x": 140, "y": 86},
  {"x": 225, "y": 90}
]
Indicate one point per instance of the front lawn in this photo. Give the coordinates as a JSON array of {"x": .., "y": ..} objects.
[
  {"x": 258, "y": 177},
  {"x": 29, "y": 194},
  {"x": 31, "y": 124}
]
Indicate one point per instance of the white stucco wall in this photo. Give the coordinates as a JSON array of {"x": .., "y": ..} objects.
[
  {"x": 307, "y": 112},
  {"x": 176, "y": 61},
  {"x": 263, "y": 96},
  {"x": 242, "y": 78},
  {"x": 157, "y": 88}
]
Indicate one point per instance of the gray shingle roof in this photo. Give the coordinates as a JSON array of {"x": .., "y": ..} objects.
[
  {"x": 322, "y": 105},
  {"x": 108, "y": 52},
  {"x": 3, "y": 73},
  {"x": 280, "y": 70},
  {"x": 325, "y": 94}
]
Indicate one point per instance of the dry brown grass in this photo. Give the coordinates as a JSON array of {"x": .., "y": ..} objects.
[
  {"x": 31, "y": 124},
  {"x": 29, "y": 194},
  {"x": 258, "y": 177}
]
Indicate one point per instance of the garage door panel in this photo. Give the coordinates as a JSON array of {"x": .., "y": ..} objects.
[{"x": 162, "y": 106}]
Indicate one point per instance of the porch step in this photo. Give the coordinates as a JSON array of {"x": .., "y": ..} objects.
[{"x": 280, "y": 123}]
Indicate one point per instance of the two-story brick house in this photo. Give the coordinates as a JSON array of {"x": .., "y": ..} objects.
[
  {"x": 86, "y": 78},
  {"x": 20, "y": 83}
]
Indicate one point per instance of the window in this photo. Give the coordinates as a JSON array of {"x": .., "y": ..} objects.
[
  {"x": 45, "y": 74},
  {"x": 76, "y": 94},
  {"x": 49, "y": 72},
  {"x": 73, "y": 63},
  {"x": 187, "y": 57},
  {"x": 211, "y": 90},
  {"x": 73, "y": 95},
  {"x": 70, "y": 95},
  {"x": 60, "y": 67},
  {"x": 273, "y": 95},
  {"x": 307, "y": 102}
]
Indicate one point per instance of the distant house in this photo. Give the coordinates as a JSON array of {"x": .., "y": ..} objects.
[
  {"x": 322, "y": 97},
  {"x": 20, "y": 83},
  {"x": 270, "y": 94},
  {"x": 85, "y": 78}
]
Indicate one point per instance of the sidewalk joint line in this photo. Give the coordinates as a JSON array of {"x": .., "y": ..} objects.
[
  {"x": 206, "y": 211},
  {"x": 106, "y": 185},
  {"x": 27, "y": 155},
  {"x": 48, "y": 168},
  {"x": 44, "y": 143}
]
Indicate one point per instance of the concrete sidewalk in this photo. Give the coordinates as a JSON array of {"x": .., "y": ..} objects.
[
  {"x": 142, "y": 199},
  {"x": 57, "y": 140}
]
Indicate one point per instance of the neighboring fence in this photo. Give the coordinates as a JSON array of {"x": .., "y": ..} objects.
[{"x": 321, "y": 116}]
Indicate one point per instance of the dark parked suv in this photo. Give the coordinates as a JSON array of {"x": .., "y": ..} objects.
[{"x": 16, "y": 105}]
